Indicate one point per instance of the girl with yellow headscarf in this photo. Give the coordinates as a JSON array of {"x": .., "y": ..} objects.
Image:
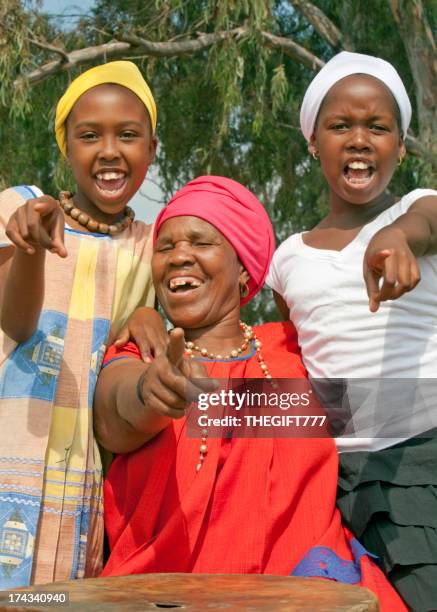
[{"x": 71, "y": 271}]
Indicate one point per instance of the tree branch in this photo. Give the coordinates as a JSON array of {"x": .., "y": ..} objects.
[
  {"x": 51, "y": 48},
  {"x": 420, "y": 46},
  {"x": 184, "y": 47},
  {"x": 132, "y": 45},
  {"x": 417, "y": 148},
  {"x": 128, "y": 46},
  {"x": 322, "y": 24},
  {"x": 75, "y": 58},
  {"x": 297, "y": 52}
]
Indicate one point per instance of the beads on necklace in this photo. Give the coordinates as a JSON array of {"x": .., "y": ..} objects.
[
  {"x": 248, "y": 335},
  {"x": 262, "y": 363},
  {"x": 191, "y": 347},
  {"x": 67, "y": 205},
  {"x": 203, "y": 449}
]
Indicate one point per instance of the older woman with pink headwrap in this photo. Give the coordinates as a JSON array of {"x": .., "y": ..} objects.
[{"x": 205, "y": 504}]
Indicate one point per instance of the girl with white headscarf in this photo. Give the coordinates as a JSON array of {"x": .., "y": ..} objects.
[{"x": 355, "y": 115}]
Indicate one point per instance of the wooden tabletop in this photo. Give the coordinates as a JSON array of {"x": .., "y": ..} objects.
[{"x": 199, "y": 593}]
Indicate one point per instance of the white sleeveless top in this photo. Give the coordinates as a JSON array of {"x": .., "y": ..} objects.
[{"x": 341, "y": 339}]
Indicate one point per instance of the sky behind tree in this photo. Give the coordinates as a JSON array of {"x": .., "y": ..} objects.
[{"x": 66, "y": 7}]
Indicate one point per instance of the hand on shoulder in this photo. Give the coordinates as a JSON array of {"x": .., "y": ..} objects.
[{"x": 147, "y": 329}]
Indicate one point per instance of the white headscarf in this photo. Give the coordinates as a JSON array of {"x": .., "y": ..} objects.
[{"x": 345, "y": 64}]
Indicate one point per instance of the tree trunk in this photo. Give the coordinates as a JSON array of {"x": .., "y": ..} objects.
[{"x": 422, "y": 56}]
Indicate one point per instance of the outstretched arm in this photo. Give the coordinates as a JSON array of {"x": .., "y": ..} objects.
[
  {"x": 419, "y": 226},
  {"x": 121, "y": 422},
  {"x": 134, "y": 401},
  {"x": 391, "y": 254},
  {"x": 35, "y": 227}
]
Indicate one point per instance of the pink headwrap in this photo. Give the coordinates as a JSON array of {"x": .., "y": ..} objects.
[{"x": 236, "y": 213}]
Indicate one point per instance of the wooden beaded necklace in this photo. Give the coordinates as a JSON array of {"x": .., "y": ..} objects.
[{"x": 67, "y": 205}]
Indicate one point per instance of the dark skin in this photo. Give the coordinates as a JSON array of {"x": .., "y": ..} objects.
[
  {"x": 108, "y": 130},
  {"x": 108, "y": 134},
  {"x": 208, "y": 313},
  {"x": 358, "y": 124},
  {"x": 146, "y": 331},
  {"x": 147, "y": 328}
]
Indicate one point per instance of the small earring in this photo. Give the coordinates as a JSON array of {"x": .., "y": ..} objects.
[
  {"x": 315, "y": 156},
  {"x": 244, "y": 289},
  {"x": 401, "y": 159}
]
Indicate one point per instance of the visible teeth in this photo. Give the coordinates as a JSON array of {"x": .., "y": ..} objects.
[
  {"x": 179, "y": 282},
  {"x": 176, "y": 282},
  {"x": 109, "y": 176},
  {"x": 358, "y": 165}
]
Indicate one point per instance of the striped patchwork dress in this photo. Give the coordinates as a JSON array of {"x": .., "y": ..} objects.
[{"x": 51, "y": 523}]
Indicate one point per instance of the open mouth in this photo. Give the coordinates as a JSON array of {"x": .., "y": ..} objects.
[
  {"x": 358, "y": 172},
  {"x": 111, "y": 183},
  {"x": 183, "y": 284}
]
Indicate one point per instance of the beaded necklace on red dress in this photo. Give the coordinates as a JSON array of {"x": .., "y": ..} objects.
[{"x": 248, "y": 336}]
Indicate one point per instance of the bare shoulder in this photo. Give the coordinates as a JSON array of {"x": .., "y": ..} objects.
[{"x": 425, "y": 204}]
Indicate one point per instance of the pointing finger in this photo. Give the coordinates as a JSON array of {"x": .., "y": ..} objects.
[
  {"x": 373, "y": 269},
  {"x": 415, "y": 273},
  {"x": 15, "y": 237},
  {"x": 372, "y": 278},
  {"x": 390, "y": 275},
  {"x": 58, "y": 237},
  {"x": 45, "y": 205},
  {"x": 176, "y": 346}
]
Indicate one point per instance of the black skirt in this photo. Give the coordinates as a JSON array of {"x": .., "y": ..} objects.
[{"x": 388, "y": 499}]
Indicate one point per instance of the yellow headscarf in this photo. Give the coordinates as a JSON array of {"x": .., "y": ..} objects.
[{"x": 122, "y": 73}]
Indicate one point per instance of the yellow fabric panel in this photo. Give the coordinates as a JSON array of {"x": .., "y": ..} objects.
[
  {"x": 69, "y": 429},
  {"x": 133, "y": 286},
  {"x": 63, "y": 451},
  {"x": 83, "y": 293}
]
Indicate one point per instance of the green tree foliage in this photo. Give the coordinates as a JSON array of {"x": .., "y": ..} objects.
[{"x": 230, "y": 108}]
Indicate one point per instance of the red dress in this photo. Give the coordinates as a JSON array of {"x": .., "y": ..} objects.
[{"x": 257, "y": 506}]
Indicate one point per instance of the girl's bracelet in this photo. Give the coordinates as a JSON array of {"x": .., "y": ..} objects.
[{"x": 139, "y": 387}]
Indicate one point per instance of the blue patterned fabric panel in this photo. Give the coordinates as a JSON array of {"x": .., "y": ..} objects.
[
  {"x": 32, "y": 369},
  {"x": 19, "y": 515},
  {"x": 100, "y": 335}
]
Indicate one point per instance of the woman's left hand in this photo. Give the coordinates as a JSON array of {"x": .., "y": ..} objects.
[
  {"x": 389, "y": 257},
  {"x": 147, "y": 329}
]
